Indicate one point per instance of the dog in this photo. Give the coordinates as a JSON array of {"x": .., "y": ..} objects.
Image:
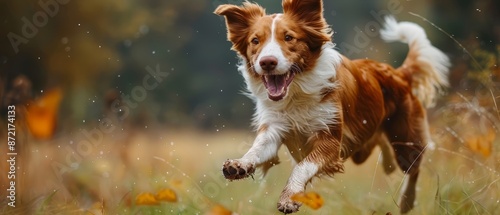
[{"x": 324, "y": 107}]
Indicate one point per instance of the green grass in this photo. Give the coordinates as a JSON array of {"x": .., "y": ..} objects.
[{"x": 453, "y": 179}]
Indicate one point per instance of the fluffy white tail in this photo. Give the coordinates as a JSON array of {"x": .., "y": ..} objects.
[{"x": 427, "y": 64}]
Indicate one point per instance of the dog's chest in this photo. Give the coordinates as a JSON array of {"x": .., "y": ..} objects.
[{"x": 308, "y": 117}]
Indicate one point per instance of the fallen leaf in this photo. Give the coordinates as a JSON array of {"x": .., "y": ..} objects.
[
  {"x": 219, "y": 210},
  {"x": 41, "y": 114},
  {"x": 167, "y": 195},
  {"x": 481, "y": 142},
  {"x": 146, "y": 199},
  {"x": 311, "y": 199}
]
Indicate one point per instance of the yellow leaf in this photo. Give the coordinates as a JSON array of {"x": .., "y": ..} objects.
[
  {"x": 311, "y": 199},
  {"x": 219, "y": 210},
  {"x": 166, "y": 195},
  {"x": 146, "y": 199},
  {"x": 41, "y": 114}
]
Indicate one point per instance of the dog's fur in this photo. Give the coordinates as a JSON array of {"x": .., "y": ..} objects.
[{"x": 325, "y": 107}]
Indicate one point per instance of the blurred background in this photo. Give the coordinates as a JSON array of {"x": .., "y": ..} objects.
[
  {"x": 91, "y": 48},
  {"x": 139, "y": 75}
]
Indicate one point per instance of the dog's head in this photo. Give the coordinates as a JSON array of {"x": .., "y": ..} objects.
[{"x": 277, "y": 47}]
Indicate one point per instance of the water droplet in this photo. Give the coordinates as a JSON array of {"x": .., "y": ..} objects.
[
  {"x": 478, "y": 10},
  {"x": 153, "y": 52},
  {"x": 364, "y": 121}
]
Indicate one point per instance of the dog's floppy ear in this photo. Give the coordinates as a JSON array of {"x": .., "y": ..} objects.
[
  {"x": 309, "y": 13},
  {"x": 238, "y": 21}
]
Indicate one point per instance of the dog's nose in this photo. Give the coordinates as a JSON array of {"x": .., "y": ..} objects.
[{"x": 268, "y": 63}]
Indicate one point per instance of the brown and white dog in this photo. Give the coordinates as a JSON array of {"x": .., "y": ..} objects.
[{"x": 325, "y": 107}]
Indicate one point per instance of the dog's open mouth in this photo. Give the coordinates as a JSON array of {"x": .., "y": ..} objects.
[{"x": 277, "y": 85}]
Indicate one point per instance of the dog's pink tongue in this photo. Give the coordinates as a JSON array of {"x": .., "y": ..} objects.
[{"x": 276, "y": 85}]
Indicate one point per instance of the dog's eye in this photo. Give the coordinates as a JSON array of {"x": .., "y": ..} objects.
[
  {"x": 288, "y": 38},
  {"x": 255, "y": 41}
]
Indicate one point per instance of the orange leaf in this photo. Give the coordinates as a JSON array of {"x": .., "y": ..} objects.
[
  {"x": 311, "y": 199},
  {"x": 41, "y": 114},
  {"x": 481, "y": 142},
  {"x": 166, "y": 195},
  {"x": 146, "y": 199},
  {"x": 219, "y": 210}
]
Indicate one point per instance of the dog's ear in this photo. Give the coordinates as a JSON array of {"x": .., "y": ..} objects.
[
  {"x": 238, "y": 22},
  {"x": 309, "y": 15}
]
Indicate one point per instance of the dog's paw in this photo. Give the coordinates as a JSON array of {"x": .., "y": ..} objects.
[
  {"x": 235, "y": 169},
  {"x": 289, "y": 206}
]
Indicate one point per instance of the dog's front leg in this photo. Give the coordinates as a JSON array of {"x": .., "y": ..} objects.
[
  {"x": 264, "y": 149},
  {"x": 323, "y": 159}
]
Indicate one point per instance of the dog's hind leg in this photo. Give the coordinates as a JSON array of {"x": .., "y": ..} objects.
[
  {"x": 365, "y": 150},
  {"x": 407, "y": 132},
  {"x": 387, "y": 156},
  {"x": 379, "y": 139}
]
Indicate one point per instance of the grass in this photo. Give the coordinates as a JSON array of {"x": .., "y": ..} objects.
[{"x": 109, "y": 176}]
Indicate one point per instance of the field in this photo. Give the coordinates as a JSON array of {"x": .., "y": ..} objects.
[
  {"x": 107, "y": 173},
  {"x": 131, "y": 107}
]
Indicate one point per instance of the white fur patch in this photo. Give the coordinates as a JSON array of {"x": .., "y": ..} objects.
[
  {"x": 301, "y": 174},
  {"x": 272, "y": 48},
  {"x": 265, "y": 146},
  {"x": 301, "y": 108}
]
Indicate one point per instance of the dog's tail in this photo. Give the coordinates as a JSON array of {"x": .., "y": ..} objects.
[{"x": 427, "y": 65}]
